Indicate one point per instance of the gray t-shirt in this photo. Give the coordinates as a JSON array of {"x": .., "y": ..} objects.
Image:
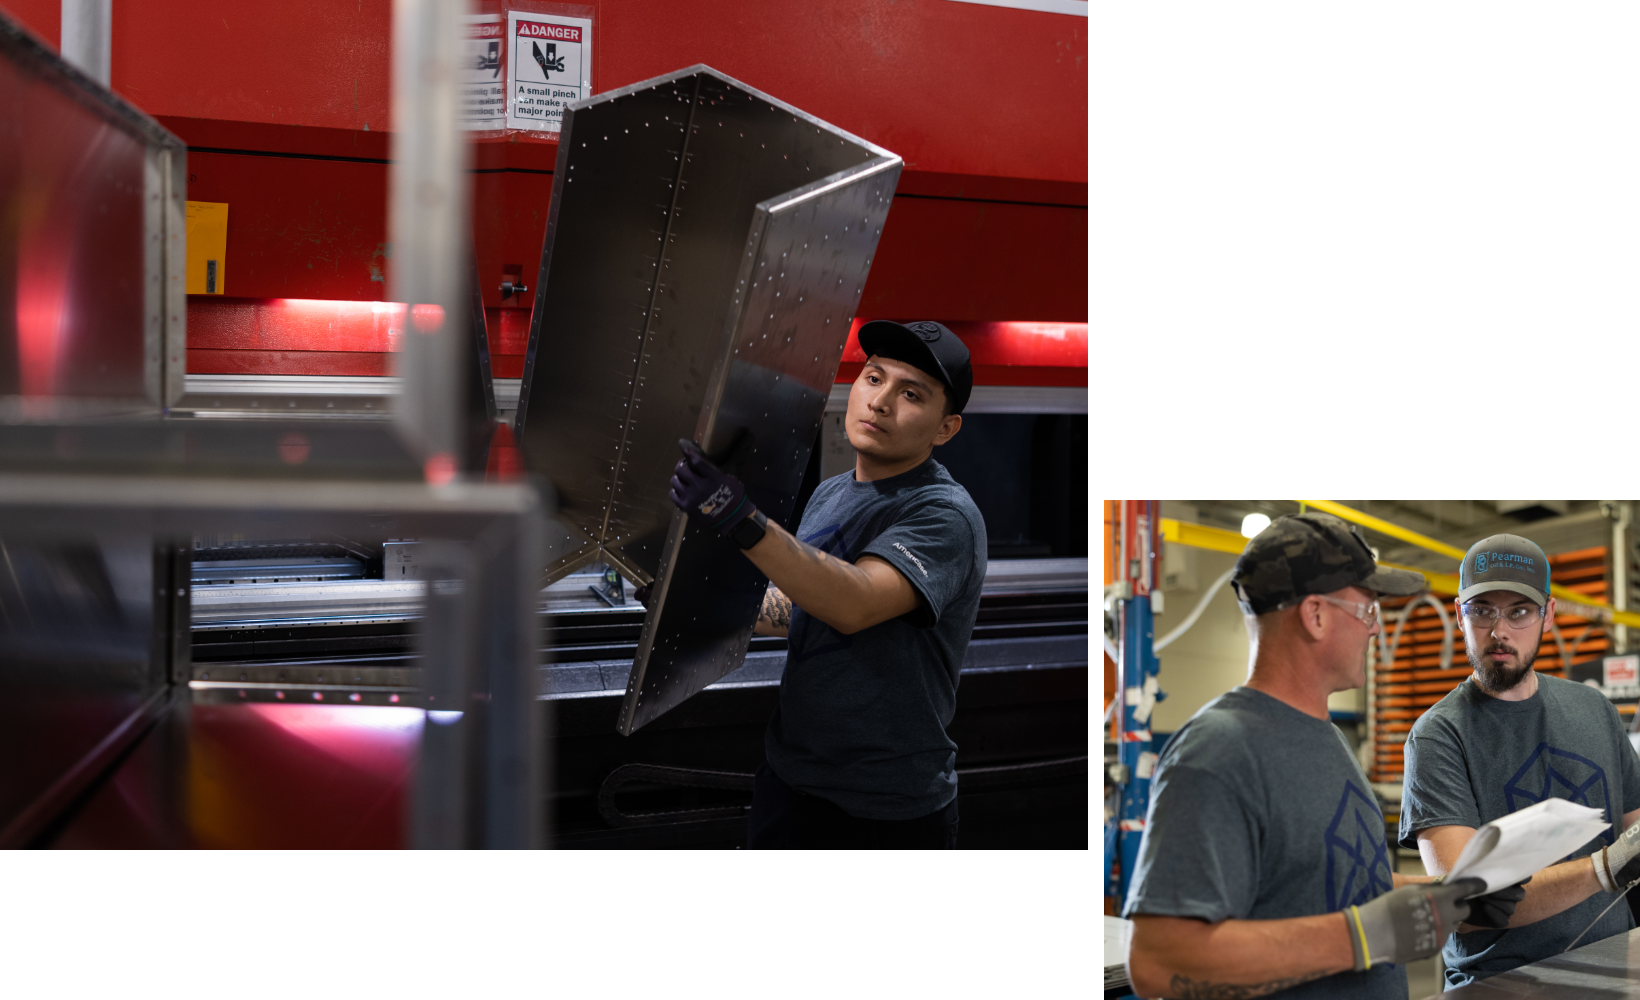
[
  {"x": 1472, "y": 758},
  {"x": 861, "y": 719},
  {"x": 1261, "y": 812}
]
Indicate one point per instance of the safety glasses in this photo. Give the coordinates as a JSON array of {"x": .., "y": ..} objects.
[
  {"x": 1366, "y": 611},
  {"x": 1486, "y": 616}
]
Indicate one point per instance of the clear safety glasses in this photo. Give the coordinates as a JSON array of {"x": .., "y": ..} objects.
[
  {"x": 1366, "y": 611},
  {"x": 1486, "y": 616}
]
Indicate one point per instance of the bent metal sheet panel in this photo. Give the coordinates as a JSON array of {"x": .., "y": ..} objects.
[{"x": 706, "y": 250}]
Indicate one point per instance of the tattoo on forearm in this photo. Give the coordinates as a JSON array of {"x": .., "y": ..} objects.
[
  {"x": 1185, "y": 988},
  {"x": 777, "y": 608}
]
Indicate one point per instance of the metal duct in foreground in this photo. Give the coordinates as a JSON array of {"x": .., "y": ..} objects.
[
  {"x": 92, "y": 304},
  {"x": 706, "y": 250}
]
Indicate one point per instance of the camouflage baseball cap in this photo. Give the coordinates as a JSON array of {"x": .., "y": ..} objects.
[{"x": 1311, "y": 553}]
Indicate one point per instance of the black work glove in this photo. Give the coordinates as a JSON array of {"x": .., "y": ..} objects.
[
  {"x": 1408, "y": 923},
  {"x": 641, "y": 595},
  {"x": 1495, "y": 908},
  {"x": 707, "y": 493}
]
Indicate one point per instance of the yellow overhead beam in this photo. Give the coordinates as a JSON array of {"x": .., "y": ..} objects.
[
  {"x": 1567, "y": 601},
  {"x": 1445, "y": 584},
  {"x": 1200, "y": 536},
  {"x": 1384, "y": 527}
]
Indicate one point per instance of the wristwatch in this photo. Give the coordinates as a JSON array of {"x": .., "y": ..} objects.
[{"x": 751, "y": 530}]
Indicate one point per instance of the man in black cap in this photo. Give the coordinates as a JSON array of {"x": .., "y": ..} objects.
[
  {"x": 1264, "y": 869},
  {"x": 877, "y": 592},
  {"x": 1506, "y": 738}
]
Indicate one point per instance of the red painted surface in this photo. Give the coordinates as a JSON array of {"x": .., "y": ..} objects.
[
  {"x": 256, "y": 776},
  {"x": 303, "y": 62},
  {"x": 509, "y": 336},
  {"x": 504, "y": 464},
  {"x": 311, "y": 221},
  {"x": 242, "y": 336},
  {"x": 43, "y": 17},
  {"x": 1003, "y": 353},
  {"x": 298, "y": 227},
  {"x": 953, "y": 87},
  {"x": 987, "y": 105},
  {"x": 232, "y": 336},
  {"x": 265, "y": 776},
  {"x": 980, "y": 260}
]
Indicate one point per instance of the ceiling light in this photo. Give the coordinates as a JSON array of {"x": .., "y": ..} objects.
[{"x": 1252, "y": 524}]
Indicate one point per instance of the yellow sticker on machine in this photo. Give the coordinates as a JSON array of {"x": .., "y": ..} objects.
[{"x": 207, "y": 247}]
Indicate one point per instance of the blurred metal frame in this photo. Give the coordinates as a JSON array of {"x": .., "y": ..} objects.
[
  {"x": 479, "y": 644},
  {"x": 165, "y": 174},
  {"x": 428, "y": 196}
]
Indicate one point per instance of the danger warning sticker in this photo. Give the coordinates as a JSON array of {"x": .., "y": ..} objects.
[
  {"x": 483, "y": 91},
  {"x": 549, "y": 66}
]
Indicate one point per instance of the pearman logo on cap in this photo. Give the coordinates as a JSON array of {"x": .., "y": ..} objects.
[
  {"x": 1504, "y": 560},
  {"x": 927, "y": 331}
]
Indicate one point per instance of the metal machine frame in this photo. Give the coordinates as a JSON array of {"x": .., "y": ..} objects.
[{"x": 478, "y": 776}]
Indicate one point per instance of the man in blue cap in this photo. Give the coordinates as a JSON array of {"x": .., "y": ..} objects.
[
  {"x": 877, "y": 592},
  {"x": 1509, "y": 737}
]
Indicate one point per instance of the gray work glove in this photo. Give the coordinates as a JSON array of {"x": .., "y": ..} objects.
[
  {"x": 1408, "y": 923},
  {"x": 1618, "y": 865}
]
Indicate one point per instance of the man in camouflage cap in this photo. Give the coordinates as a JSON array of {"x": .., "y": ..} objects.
[
  {"x": 1311, "y": 554},
  {"x": 1264, "y": 868}
]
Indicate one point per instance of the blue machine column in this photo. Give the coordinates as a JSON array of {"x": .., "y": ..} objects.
[
  {"x": 1139, "y": 672},
  {"x": 1140, "y": 540}
]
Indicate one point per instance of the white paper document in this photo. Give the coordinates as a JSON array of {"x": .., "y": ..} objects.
[
  {"x": 1509, "y": 849},
  {"x": 1118, "y": 933}
]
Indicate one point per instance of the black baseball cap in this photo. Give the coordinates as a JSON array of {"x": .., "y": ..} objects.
[
  {"x": 1311, "y": 553},
  {"x": 928, "y": 346}
]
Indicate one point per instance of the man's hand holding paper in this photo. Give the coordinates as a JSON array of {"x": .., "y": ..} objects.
[{"x": 1512, "y": 848}]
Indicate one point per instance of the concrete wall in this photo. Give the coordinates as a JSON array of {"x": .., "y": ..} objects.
[{"x": 1211, "y": 658}]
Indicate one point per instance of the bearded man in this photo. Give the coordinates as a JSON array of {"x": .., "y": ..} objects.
[{"x": 1508, "y": 738}]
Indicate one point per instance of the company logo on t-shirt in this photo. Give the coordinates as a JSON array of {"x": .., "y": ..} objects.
[
  {"x": 1357, "y": 852},
  {"x": 911, "y": 557},
  {"x": 1550, "y": 773}
]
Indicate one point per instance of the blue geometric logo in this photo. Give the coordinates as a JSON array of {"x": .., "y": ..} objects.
[
  {"x": 1480, "y": 562},
  {"x": 1559, "y": 774},
  {"x": 1357, "y": 851}
]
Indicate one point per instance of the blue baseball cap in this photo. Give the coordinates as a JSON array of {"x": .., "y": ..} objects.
[{"x": 1505, "y": 562}]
